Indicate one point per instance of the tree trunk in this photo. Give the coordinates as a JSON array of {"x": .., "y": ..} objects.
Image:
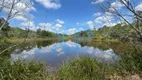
[
  {"x": 141, "y": 37},
  {"x": 2, "y": 25}
]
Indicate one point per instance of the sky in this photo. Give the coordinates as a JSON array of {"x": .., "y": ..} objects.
[{"x": 65, "y": 16}]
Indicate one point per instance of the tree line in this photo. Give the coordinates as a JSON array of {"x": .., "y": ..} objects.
[
  {"x": 122, "y": 32},
  {"x": 10, "y": 32}
]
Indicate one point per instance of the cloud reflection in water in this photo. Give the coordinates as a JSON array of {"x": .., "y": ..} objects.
[{"x": 58, "y": 52}]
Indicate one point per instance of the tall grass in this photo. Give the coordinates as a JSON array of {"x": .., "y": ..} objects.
[
  {"x": 81, "y": 68},
  {"x": 84, "y": 68},
  {"x": 21, "y": 70}
]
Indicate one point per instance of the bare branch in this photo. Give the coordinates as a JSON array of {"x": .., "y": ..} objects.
[{"x": 130, "y": 6}]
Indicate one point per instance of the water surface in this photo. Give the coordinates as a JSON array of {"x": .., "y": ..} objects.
[{"x": 57, "y": 53}]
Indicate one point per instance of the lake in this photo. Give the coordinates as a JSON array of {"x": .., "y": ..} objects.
[{"x": 55, "y": 53}]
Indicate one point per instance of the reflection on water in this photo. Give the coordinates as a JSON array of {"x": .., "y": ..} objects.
[{"x": 58, "y": 52}]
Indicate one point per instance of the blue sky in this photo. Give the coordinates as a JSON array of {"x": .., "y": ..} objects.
[{"x": 66, "y": 16}]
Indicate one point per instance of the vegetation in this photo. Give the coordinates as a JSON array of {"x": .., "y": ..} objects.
[
  {"x": 117, "y": 32},
  {"x": 22, "y": 70},
  {"x": 86, "y": 68},
  {"x": 14, "y": 33},
  {"x": 82, "y": 68}
]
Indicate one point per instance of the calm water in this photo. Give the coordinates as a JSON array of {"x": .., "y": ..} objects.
[{"x": 56, "y": 53}]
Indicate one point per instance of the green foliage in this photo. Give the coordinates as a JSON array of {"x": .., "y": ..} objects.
[
  {"x": 120, "y": 32},
  {"x": 44, "y": 33},
  {"x": 84, "y": 68},
  {"x": 17, "y": 32},
  {"x": 6, "y": 26},
  {"x": 21, "y": 70},
  {"x": 130, "y": 57},
  {"x": 116, "y": 32}
]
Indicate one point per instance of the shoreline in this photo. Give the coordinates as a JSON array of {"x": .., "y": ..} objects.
[{"x": 16, "y": 40}]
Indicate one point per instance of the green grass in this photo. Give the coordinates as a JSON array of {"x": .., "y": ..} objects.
[
  {"x": 81, "y": 68},
  {"x": 21, "y": 70},
  {"x": 18, "y": 40},
  {"x": 84, "y": 68}
]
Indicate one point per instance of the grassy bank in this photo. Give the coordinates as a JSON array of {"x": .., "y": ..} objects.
[
  {"x": 83, "y": 68},
  {"x": 86, "y": 68},
  {"x": 18, "y": 40},
  {"x": 107, "y": 40},
  {"x": 21, "y": 70}
]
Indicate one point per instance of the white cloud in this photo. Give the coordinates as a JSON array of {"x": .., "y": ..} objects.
[
  {"x": 29, "y": 23},
  {"x": 77, "y": 23},
  {"x": 58, "y": 25},
  {"x": 107, "y": 20},
  {"x": 21, "y": 18},
  {"x": 60, "y": 21},
  {"x": 97, "y": 1},
  {"x": 81, "y": 29},
  {"x": 100, "y": 20},
  {"x": 20, "y": 10},
  {"x": 45, "y": 25},
  {"x": 139, "y": 7},
  {"x": 71, "y": 31},
  {"x": 81, "y": 23},
  {"x": 115, "y": 6},
  {"x": 55, "y": 27},
  {"x": 91, "y": 24},
  {"x": 97, "y": 14},
  {"x": 110, "y": 24},
  {"x": 90, "y": 50},
  {"x": 49, "y": 4},
  {"x": 107, "y": 17},
  {"x": 30, "y": 9}
]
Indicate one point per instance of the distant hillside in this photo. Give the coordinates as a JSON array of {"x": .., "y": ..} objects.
[{"x": 120, "y": 32}]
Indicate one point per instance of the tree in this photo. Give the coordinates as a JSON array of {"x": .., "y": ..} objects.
[
  {"x": 5, "y": 28},
  {"x": 112, "y": 8},
  {"x": 44, "y": 33},
  {"x": 13, "y": 8}
]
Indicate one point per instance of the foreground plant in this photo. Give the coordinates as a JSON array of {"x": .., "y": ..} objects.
[
  {"x": 21, "y": 70},
  {"x": 84, "y": 68}
]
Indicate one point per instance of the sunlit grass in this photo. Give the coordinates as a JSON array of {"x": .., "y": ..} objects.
[
  {"x": 80, "y": 68},
  {"x": 17, "y": 40},
  {"x": 84, "y": 68},
  {"x": 21, "y": 70}
]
